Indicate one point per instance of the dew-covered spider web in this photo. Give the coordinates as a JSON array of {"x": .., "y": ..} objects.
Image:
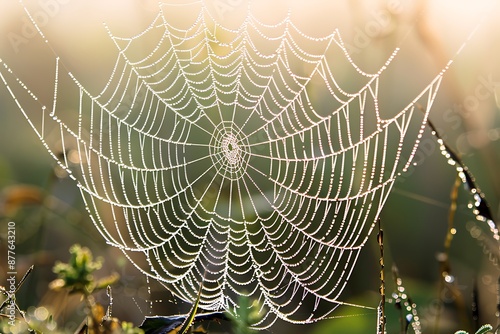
[{"x": 232, "y": 159}]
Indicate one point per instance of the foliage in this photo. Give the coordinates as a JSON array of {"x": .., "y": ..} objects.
[
  {"x": 246, "y": 314},
  {"x": 75, "y": 277}
]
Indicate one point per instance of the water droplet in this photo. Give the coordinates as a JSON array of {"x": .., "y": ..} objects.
[
  {"x": 449, "y": 278},
  {"x": 41, "y": 313}
]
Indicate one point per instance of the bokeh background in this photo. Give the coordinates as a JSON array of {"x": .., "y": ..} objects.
[{"x": 49, "y": 213}]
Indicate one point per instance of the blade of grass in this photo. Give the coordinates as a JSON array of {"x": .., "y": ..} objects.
[
  {"x": 192, "y": 313},
  {"x": 381, "y": 319}
]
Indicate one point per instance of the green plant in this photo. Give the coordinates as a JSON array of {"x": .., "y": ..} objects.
[
  {"x": 77, "y": 274},
  {"x": 247, "y": 313}
]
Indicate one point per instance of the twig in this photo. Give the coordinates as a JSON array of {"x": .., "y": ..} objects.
[
  {"x": 381, "y": 319},
  {"x": 446, "y": 279},
  {"x": 11, "y": 297}
]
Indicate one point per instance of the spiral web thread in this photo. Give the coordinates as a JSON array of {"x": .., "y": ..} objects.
[{"x": 232, "y": 159}]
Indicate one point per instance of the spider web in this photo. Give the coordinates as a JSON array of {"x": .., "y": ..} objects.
[{"x": 232, "y": 159}]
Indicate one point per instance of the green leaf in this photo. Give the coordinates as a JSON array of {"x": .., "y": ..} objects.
[
  {"x": 484, "y": 329},
  {"x": 166, "y": 324}
]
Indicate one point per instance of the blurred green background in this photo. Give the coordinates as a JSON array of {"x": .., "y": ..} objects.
[{"x": 49, "y": 213}]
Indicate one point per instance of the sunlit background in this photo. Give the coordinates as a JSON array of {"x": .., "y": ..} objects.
[{"x": 49, "y": 212}]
